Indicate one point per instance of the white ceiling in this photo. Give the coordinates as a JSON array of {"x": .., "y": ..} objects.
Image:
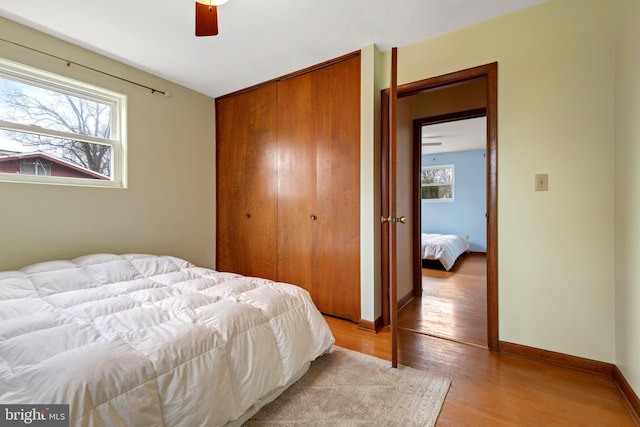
[
  {"x": 459, "y": 135},
  {"x": 259, "y": 39}
]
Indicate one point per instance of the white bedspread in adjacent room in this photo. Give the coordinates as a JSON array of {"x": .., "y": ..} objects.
[
  {"x": 141, "y": 340},
  {"x": 445, "y": 248}
]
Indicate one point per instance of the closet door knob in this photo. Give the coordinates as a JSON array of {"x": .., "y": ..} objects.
[
  {"x": 313, "y": 217},
  {"x": 248, "y": 215}
]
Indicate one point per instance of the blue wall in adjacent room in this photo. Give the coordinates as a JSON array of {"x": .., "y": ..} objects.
[{"x": 465, "y": 215}]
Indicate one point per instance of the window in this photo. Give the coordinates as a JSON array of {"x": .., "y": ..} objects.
[
  {"x": 437, "y": 183},
  {"x": 59, "y": 131},
  {"x": 35, "y": 167}
]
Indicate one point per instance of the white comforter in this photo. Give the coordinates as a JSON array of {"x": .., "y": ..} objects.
[
  {"x": 140, "y": 340},
  {"x": 445, "y": 248}
]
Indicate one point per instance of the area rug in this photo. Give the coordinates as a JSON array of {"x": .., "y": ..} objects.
[{"x": 346, "y": 388}]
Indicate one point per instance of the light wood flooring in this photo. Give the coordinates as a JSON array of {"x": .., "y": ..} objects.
[
  {"x": 497, "y": 389},
  {"x": 453, "y": 303},
  {"x": 488, "y": 388}
]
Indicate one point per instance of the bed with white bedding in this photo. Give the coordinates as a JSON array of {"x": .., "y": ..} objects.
[
  {"x": 143, "y": 340},
  {"x": 445, "y": 248}
]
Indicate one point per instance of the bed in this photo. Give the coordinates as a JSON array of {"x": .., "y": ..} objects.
[
  {"x": 445, "y": 248},
  {"x": 144, "y": 340}
]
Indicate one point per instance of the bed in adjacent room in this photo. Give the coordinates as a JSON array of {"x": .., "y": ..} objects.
[
  {"x": 445, "y": 248},
  {"x": 152, "y": 340}
]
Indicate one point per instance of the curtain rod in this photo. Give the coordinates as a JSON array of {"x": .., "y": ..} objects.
[{"x": 69, "y": 63}]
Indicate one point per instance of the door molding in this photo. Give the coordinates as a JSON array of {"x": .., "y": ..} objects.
[{"x": 489, "y": 72}]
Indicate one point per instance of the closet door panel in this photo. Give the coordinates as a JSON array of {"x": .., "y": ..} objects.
[
  {"x": 300, "y": 121},
  {"x": 338, "y": 197},
  {"x": 262, "y": 184},
  {"x": 230, "y": 184},
  {"x": 246, "y": 171}
]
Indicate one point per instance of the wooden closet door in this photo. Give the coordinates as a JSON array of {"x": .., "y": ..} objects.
[
  {"x": 319, "y": 193},
  {"x": 337, "y": 238},
  {"x": 246, "y": 171},
  {"x": 302, "y": 123}
]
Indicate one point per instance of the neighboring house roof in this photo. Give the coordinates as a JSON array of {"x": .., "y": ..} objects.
[
  {"x": 4, "y": 152},
  {"x": 79, "y": 170}
]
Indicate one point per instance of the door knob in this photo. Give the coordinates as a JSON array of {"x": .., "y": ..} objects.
[
  {"x": 394, "y": 219},
  {"x": 313, "y": 217}
]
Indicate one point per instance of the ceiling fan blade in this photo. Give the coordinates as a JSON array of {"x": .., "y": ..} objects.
[{"x": 206, "y": 20}]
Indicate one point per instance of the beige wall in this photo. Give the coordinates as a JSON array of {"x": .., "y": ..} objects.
[
  {"x": 627, "y": 196},
  {"x": 555, "y": 116},
  {"x": 370, "y": 204},
  {"x": 169, "y": 205}
]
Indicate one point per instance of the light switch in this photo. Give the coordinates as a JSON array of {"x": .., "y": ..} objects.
[{"x": 542, "y": 182}]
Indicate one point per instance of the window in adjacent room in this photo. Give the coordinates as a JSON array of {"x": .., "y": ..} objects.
[
  {"x": 437, "y": 183},
  {"x": 56, "y": 130}
]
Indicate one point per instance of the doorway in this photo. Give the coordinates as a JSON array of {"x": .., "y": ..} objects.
[
  {"x": 449, "y": 293},
  {"x": 485, "y": 78}
]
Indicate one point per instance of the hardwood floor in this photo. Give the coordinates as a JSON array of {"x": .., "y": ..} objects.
[
  {"x": 453, "y": 303},
  {"x": 496, "y": 389}
]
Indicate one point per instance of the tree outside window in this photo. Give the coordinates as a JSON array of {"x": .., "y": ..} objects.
[{"x": 42, "y": 108}]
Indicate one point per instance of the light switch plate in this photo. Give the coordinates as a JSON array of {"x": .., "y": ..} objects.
[{"x": 542, "y": 182}]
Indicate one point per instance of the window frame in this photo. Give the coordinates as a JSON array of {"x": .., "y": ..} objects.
[
  {"x": 118, "y": 135},
  {"x": 452, "y": 184}
]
